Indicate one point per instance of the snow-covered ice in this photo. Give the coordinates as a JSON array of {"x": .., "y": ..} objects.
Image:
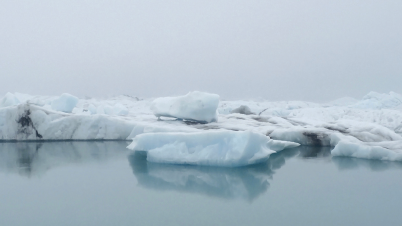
[
  {"x": 195, "y": 106},
  {"x": 9, "y": 100},
  {"x": 366, "y": 128},
  {"x": 216, "y": 148}
]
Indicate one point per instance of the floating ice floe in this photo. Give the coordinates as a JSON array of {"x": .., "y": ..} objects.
[
  {"x": 195, "y": 106},
  {"x": 216, "y": 148}
]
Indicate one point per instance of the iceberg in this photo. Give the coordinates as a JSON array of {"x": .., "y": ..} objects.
[
  {"x": 31, "y": 122},
  {"x": 195, "y": 106},
  {"x": 217, "y": 148},
  {"x": 244, "y": 183},
  {"x": 358, "y": 126}
]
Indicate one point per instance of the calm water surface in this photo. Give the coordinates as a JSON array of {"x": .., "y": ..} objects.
[{"x": 98, "y": 183}]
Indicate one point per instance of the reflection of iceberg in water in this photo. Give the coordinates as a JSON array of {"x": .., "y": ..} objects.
[
  {"x": 35, "y": 158},
  {"x": 242, "y": 182},
  {"x": 347, "y": 163}
]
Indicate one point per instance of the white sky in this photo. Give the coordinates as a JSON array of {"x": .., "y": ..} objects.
[{"x": 279, "y": 50}]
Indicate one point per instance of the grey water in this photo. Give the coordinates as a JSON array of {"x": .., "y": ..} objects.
[{"x": 101, "y": 183}]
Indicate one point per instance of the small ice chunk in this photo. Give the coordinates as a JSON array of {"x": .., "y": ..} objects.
[
  {"x": 243, "y": 109},
  {"x": 65, "y": 103},
  {"x": 216, "y": 148},
  {"x": 195, "y": 106}
]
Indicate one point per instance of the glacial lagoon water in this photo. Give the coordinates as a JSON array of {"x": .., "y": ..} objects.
[{"x": 99, "y": 183}]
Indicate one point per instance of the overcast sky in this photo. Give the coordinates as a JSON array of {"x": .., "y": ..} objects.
[{"x": 279, "y": 50}]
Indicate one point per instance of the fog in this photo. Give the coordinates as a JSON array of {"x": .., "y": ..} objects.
[{"x": 278, "y": 50}]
